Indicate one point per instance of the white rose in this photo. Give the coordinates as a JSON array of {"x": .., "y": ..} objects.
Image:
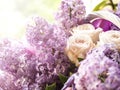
[
  {"x": 88, "y": 29},
  {"x": 84, "y": 27},
  {"x": 78, "y": 46},
  {"x": 111, "y": 36}
]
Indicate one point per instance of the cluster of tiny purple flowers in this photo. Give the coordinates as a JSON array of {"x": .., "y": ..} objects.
[
  {"x": 99, "y": 71},
  {"x": 70, "y": 14},
  {"x": 34, "y": 67},
  {"x": 39, "y": 64}
]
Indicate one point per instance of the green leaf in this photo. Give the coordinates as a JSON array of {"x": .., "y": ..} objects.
[
  {"x": 100, "y": 5},
  {"x": 103, "y": 76},
  {"x": 62, "y": 78},
  {"x": 71, "y": 73},
  {"x": 51, "y": 87},
  {"x": 80, "y": 59}
]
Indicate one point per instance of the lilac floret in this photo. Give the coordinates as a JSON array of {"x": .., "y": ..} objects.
[
  {"x": 69, "y": 83},
  {"x": 52, "y": 62},
  {"x": 99, "y": 75},
  {"x": 45, "y": 35},
  {"x": 32, "y": 70},
  {"x": 7, "y": 81},
  {"x": 39, "y": 32},
  {"x": 100, "y": 70},
  {"x": 18, "y": 61},
  {"x": 40, "y": 64},
  {"x": 106, "y": 51},
  {"x": 70, "y": 14}
]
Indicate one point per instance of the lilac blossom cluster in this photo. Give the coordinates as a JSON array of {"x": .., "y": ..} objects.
[
  {"x": 39, "y": 64},
  {"x": 70, "y": 14},
  {"x": 41, "y": 34},
  {"x": 49, "y": 48},
  {"x": 38, "y": 31},
  {"x": 17, "y": 65},
  {"x": 99, "y": 71}
]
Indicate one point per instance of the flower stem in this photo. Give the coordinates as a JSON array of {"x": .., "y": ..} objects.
[{"x": 112, "y": 4}]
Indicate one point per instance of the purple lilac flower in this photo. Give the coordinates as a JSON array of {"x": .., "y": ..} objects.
[
  {"x": 39, "y": 32},
  {"x": 49, "y": 68},
  {"x": 43, "y": 34},
  {"x": 7, "y": 81},
  {"x": 18, "y": 62},
  {"x": 69, "y": 83},
  {"x": 33, "y": 69},
  {"x": 99, "y": 71},
  {"x": 107, "y": 50},
  {"x": 70, "y": 14},
  {"x": 49, "y": 50}
]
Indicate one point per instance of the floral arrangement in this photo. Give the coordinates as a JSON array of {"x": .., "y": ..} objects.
[{"x": 77, "y": 52}]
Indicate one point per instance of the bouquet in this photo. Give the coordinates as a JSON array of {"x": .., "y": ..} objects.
[{"x": 78, "y": 52}]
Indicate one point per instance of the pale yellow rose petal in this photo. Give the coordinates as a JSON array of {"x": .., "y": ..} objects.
[
  {"x": 78, "y": 46},
  {"x": 111, "y": 36},
  {"x": 88, "y": 29},
  {"x": 84, "y": 27}
]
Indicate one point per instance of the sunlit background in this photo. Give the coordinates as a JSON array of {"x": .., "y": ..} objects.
[{"x": 14, "y": 13}]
